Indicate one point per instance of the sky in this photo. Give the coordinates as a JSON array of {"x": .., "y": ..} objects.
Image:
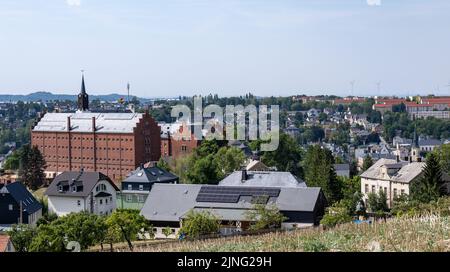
[{"x": 229, "y": 47}]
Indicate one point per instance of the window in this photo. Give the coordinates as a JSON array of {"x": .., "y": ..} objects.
[
  {"x": 101, "y": 187},
  {"x": 385, "y": 190},
  {"x": 130, "y": 187},
  {"x": 10, "y": 207},
  {"x": 106, "y": 201},
  {"x": 74, "y": 189},
  {"x": 183, "y": 148},
  {"x": 78, "y": 203},
  {"x": 141, "y": 187},
  {"x": 373, "y": 188},
  {"x": 101, "y": 201},
  {"x": 395, "y": 193},
  {"x": 128, "y": 198},
  {"x": 60, "y": 188},
  {"x": 366, "y": 188},
  {"x": 402, "y": 192},
  {"x": 141, "y": 198}
]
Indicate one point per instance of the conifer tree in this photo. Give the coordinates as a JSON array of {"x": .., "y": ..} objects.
[{"x": 430, "y": 186}]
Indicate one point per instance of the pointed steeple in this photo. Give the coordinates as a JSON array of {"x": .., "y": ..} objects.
[
  {"x": 83, "y": 97},
  {"x": 83, "y": 87}
]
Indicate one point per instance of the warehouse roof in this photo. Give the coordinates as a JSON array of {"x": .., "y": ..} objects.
[{"x": 82, "y": 122}]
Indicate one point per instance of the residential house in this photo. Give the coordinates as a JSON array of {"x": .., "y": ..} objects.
[
  {"x": 342, "y": 169},
  {"x": 78, "y": 191},
  {"x": 8, "y": 177},
  {"x": 136, "y": 187},
  {"x": 292, "y": 131},
  {"x": 397, "y": 140},
  {"x": 241, "y": 146},
  {"x": 392, "y": 176},
  {"x": 313, "y": 113},
  {"x": 262, "y": 179},
  {"x": 428, "y": 145},
  {"x": 18, "y": 205},
  {"x": 168, "y": 205},
  {"x": 257, "y": 165}
]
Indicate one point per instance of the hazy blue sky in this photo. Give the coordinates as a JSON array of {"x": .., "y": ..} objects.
[{"x": 185, "y": 47}]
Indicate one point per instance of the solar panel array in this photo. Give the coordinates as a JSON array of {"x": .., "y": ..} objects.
[{"x": 228, "y": 194}]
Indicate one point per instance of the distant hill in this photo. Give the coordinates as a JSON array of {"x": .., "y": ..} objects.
[{"x": 47, "y": 96}]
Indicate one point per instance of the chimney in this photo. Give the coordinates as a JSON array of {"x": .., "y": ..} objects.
[
  {"x": 68, "y": 123},
  {"x": 244, "y": 176},
  {"x": 93, "y": 123}
]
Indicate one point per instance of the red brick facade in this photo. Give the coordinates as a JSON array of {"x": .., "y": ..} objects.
[
  {"x": 179, "y": 145},
  {"x": 114, "y": 154}
]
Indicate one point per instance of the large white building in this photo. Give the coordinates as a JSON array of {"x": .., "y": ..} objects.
[
  {"x": 393, "y": 177},
  {"x": 72, "y": 192}
]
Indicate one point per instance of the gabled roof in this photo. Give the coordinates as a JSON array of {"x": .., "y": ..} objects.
[
  {"x": 20, "y": 194},
  {"x": 170, "y": 202},
  {"x": 150, "y": 175},
  {"x": 406, "y": 171},
  {"x": 263, "y": 179},
  {"x": 256, "y": 164},
  {"x": 432, "y": 142},
  {"x": 87, "y": 179}
]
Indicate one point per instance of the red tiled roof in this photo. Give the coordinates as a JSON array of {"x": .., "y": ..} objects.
[
  {"x": 4, "y": 240},
  {"x": 347, "y": 100},
  {"x": 383, "y": 105},
  {"x": 436, "y": 100},
  {"x": 414, "y": 104}
]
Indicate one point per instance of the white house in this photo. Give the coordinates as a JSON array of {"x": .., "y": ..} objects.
[
  {"x": 92, "y": 192},
  {"x": 428, "y": 145},
  {"x": 392, "y": 176}
]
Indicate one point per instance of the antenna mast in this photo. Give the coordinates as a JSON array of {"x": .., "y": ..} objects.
[{"x": 128, "y": 92}]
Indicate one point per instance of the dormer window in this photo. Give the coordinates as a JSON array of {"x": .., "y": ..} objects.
[
  {"x": 141, "y": 187},
  {"x": 130, "y": 187},
  {"x": 60, "y": 188},
  {"x": 74, "y": 189}
]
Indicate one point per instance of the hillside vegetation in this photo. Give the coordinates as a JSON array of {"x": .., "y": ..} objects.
[{"x": 427, "y": 233}]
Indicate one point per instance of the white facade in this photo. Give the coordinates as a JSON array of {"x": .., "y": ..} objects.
[
  {"x": 34, "y": 217},
  {"x": 392, "y": 177},
  {"x": 391, "y": 188},
  {"x": 94, "y": 203}
]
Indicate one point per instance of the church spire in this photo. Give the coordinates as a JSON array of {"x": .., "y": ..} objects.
[
  {"x": 83, "y": 97},
  {"x": 83, "y": 87}
]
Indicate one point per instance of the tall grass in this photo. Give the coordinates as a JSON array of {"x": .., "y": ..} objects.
[{"x": 426, "y": 233}]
